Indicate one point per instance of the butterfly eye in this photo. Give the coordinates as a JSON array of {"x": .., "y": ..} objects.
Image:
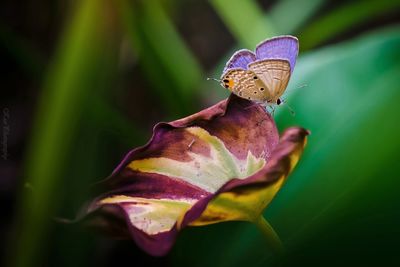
[
  {"x": 255, "y": 77},
  {"x": 262, "y": 89},
  {"x": 226, "y": 83}
]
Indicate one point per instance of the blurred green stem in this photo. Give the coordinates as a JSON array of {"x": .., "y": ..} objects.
[
  {"x": 270, "y": 236},
  {"x": 279, "y": 14},
  {"x": 71, "y": 78},
  {"x": 245, "y": 20},
  {"x": 343, "y": 19},
  {"x": 156, "y": 41}
]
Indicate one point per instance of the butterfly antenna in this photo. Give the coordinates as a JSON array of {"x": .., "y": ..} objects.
[
  {"x": 289, "y": 108},
  {"x": 302, "y": 86},
  {"x": 213, "y": 79}
]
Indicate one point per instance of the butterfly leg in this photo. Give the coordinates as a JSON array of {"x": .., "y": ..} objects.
[{"x": 270, "y": 110}]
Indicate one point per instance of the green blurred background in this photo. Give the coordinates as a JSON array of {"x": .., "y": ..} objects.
[{"x": 84, "y": 81}]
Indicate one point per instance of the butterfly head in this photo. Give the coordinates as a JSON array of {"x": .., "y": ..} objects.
[{"x": 228, "y": 83}]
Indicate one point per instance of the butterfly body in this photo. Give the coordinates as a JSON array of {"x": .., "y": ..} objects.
[{"x": 264, "y": 75}]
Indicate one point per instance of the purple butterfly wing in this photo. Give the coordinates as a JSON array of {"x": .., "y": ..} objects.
[
  {"x": 240, "y": 59},
  {"x": 281, "y": 47}
]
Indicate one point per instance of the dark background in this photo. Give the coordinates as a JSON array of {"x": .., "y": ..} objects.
[{"x": 83, "y": 82}]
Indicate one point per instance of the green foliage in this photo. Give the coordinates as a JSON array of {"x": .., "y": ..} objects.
[
  {"x": 244, "y": 20},
  {"x": 169, "y": 65},
  {"x": 344, "y": 19},
  {"x": 345, "y": 186},
  {"x": 69, "y": 84}
]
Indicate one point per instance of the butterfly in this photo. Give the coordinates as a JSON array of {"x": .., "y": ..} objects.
[{"x": 264, "y": 75}]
